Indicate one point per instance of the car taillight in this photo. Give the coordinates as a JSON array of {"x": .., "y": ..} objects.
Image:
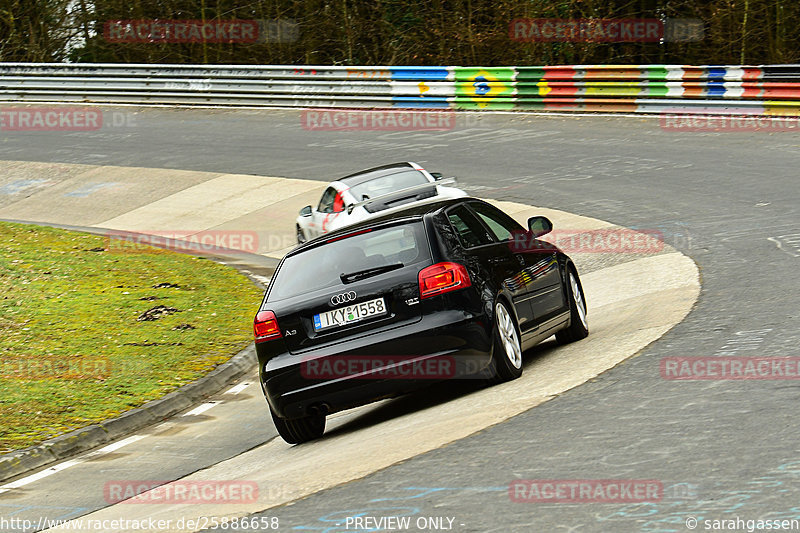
[
  {"x": 265, "y": 326},
  {"x": 441, "y": 278}
]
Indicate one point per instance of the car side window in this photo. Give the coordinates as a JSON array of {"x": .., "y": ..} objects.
[
  {"x": 502, "y": 226},
  {"x": 470, "y": 232},
  {"x": 326, "y": 202}
]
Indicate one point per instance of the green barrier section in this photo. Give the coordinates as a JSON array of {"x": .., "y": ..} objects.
[
  {"x": 530, "y": 74},
  {"x": 485, "y": 104},
  {"x": 484, "y": 88},
  {"x": 655, "y": 72},
  {"x": 526, "y": 90},
  {"x": 620, "y": 89},
  {"x": 531, "y": 104},
  {"x": 577, "y": 104},
  {"x": 659, "y": 90}
]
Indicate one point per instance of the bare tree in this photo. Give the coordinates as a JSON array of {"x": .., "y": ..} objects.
[{"x": 399, "y": 32}]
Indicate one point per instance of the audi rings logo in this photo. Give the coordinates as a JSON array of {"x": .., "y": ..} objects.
[{"x": 339, "y": 299}]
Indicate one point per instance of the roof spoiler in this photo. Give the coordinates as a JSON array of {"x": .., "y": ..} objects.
[{"x": 402, "y": 194}]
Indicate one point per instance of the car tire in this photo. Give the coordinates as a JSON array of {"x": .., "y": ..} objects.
[
  {"x": 301, "y": 237},
  {"x": 578, "y": 325},
  {"x": 507, "y": 349},
  {"x": 299, "y": 430}
]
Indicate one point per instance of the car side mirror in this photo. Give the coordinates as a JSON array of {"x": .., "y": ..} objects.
[
  {"x": 437, "y": 175},
  {"x": 539, "y": 226},
  {"x": 306, "y": 211}
]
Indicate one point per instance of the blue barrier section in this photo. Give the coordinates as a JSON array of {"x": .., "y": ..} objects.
[
  {"x": 420, "y": 74},
  {"x": 717, "y": 73},
  {"x": 420, "y": 102},
  {"x": 715, "y": 88}
]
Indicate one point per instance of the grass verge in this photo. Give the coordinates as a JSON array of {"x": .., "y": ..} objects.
[{"x": 73, "y": 350}]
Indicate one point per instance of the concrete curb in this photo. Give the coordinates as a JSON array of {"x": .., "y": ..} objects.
[{"x": 64, "y": 446}]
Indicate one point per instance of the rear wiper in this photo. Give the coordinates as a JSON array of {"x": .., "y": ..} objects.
[{"x": 368, "y": 273}]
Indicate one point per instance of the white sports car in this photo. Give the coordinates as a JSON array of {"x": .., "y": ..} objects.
[{"x": 371, "y": 192}]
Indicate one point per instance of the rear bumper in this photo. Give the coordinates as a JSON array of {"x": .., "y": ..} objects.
[{"x": 445, "y": 345}]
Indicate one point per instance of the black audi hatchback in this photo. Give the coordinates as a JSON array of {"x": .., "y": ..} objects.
[{"x": 445, "y": 290}]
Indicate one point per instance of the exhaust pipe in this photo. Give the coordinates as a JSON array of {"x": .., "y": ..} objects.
[{"x": 319, "y": 409}]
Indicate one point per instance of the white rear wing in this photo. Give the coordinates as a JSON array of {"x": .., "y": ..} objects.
[{"x": 402, "y": 193}]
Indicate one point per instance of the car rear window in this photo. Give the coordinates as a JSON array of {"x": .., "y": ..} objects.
[
  {"x": 320, "y": 267},
  {"x": 388, "y": 184}
]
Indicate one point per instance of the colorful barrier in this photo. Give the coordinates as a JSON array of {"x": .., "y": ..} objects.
[{"x": 767, "y": 89}]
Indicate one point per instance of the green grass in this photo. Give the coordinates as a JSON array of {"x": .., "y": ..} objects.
[{"x": 72, "y": 352}]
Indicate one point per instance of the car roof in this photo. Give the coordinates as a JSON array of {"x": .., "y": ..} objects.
[
  {"x": 363, "y": 176},
  {"x": 410, "y": 213}
]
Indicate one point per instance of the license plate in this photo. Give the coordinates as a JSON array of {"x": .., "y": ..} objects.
[{"x": 349, "y": 314}]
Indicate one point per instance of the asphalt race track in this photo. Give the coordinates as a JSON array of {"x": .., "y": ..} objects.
[
  {"x": 634, "y": 297},
  {"x": 721, "y": 449}
]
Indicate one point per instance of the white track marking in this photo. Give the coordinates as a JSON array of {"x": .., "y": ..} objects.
[
  {"x": 113, "y": 447},
  {"x": 40, "y": 475},
  {"x": 263, "y": 279},
  {"x": 200, "y": 409},
  {"x": 66, "y": 464},
  {"x": 238, "y": 388}
]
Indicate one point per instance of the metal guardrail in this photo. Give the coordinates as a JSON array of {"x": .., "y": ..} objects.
[{"x": 768, "y": 89}]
